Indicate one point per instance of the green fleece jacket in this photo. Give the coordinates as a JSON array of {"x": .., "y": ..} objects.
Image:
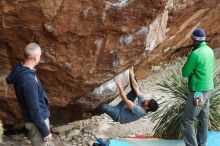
[{"x": 200, "y": 68}]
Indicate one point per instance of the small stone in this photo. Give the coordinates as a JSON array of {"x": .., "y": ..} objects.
[
  {"x": 93, "y": 137},
  {"x": 66, "y": 139},
  {"x": 156, "y": 68},
  {"x": 69, "y": 126},
  {"x": 85, "y": 134},
  {"x": 49, "y": 27},
  {"x": 73, "y": 133},
  {"x": 91, "y": 142}
]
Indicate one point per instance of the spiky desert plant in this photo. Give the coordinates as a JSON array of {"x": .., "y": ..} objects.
[{"x": 168, "y": 117}]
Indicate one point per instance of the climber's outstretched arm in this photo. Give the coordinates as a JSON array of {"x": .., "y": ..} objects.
[
  {"x": 124, "y": 98},
  {"x": 134, "y": 83}
]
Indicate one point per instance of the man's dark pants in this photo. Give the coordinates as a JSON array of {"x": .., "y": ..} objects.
[{"x": 191, "y": 112}]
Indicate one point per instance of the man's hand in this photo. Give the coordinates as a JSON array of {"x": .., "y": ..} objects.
[
  {"x": 118, "y": 82},
  {"x": 48, "y": 137}
]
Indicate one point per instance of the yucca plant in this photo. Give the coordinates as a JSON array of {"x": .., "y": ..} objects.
[{"x": 168, "y": 117}]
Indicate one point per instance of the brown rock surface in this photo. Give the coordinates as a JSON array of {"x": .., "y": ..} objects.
[
  {"x": 86, "y": 43},
  {"x": 184, "y": 17}
]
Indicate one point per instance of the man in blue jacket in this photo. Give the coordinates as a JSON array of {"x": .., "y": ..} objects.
[{"x": 32, "y": 98}]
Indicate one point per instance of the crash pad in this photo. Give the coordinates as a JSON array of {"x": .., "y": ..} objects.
[{"x": 213, "y": 140}]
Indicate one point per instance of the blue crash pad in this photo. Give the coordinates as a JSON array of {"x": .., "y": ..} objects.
[
  {"x": 148, "y": 142},
  {"x": 213, "y": 140}
]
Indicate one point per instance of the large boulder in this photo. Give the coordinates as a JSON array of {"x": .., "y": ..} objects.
[{"x": 87, "y": 43}]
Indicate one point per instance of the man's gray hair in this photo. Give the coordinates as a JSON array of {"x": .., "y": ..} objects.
[{"x": 31, "y": 50}]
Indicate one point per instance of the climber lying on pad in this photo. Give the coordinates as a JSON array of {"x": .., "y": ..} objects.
[{"x": 129, "y": 109}]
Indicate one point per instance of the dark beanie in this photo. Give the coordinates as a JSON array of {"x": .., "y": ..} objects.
[{"x": 198, "y": 34}]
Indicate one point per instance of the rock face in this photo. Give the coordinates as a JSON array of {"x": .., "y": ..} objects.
[
  {"x": 86, "y": 43},
  {"x": 184, "y": 17}
]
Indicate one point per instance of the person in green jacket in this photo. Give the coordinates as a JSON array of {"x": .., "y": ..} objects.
[{"x": 199, "y": 69}]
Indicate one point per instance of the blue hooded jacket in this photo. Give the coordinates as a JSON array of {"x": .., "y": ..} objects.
[{"x": 32, "y": 98}]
